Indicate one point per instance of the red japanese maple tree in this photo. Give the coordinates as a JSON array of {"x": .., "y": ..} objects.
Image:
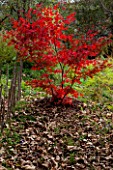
[{"x": 42, "y": 38}]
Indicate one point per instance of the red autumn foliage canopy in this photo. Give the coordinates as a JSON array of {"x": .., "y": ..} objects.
[{"x": 41, "y": 38}]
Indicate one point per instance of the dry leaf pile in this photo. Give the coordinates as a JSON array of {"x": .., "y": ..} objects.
[{"x": 59, "y": 138}]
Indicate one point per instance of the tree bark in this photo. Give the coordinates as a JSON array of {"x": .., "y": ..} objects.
[{"x": 19, "y": 80}]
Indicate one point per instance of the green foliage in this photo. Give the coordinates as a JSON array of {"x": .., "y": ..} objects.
[
  {"x": 11, "y": 137},
  {"x": 25, "y": 118},
  {"x": 20, "y": 105},
  {"x": 72, "y": 158},
  {"x": 3, "y": 81},
  {"x": 7, "y": 53},
  {"x": 29, "y": 92},
  {"x": 98, "y": 89},
  {"x": 57, "y": 130},
  {"x": 92, "y": 15},
  {"x": 69, "y": 141}
]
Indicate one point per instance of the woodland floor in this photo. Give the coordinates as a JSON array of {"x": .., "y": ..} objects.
[{"x": 46, "y": 137}]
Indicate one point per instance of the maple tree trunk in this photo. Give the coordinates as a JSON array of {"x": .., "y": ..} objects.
[
  {"x": 19, "y": 80},
  {"x": 2, "y": 114},
  {"x": 7, "y": 78},
  {"x": 12, "y": 90},
  {"x": 0, "y": 88},
  {"x": 112, "y": 38},
  {"x": 2, "y": 106}
]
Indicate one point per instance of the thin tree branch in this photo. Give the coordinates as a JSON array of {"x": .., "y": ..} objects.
[{"x": 105, "y": 8}]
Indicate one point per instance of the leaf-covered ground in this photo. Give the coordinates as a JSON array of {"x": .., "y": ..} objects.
[{"x": 46, "y": 137}]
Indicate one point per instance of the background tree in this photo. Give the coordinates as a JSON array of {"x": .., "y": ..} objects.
[
  {"x": 91, "y": 12},
  {"x": 93, "y": 15},
  {"x": 7, "y": 56},
  {"x": 13, "y": 9}
]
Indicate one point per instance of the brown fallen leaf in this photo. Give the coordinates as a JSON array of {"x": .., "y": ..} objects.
[
  {"x": 2, "y": 168},
  {"x": 29, "y": 167}
]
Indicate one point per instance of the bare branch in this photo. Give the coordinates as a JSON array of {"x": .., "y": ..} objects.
[
  {"x": 105, "y": 8},
  {"x": 2, "y": 20}
]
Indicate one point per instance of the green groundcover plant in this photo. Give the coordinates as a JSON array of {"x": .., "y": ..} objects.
[{"x": 99, "y": 89}]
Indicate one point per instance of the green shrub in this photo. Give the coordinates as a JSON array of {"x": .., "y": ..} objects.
[
  {"x": 7, "y": 53},
  {"x": 98, "y": 89}
]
